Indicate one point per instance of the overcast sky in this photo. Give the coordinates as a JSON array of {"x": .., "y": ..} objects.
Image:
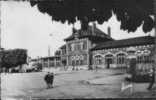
[{"x": 25, "y": 27}]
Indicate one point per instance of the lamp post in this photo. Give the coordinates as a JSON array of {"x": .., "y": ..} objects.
[
  {"x": 0, "y": 30},
  {"x": 50, "y": 35},
  {"x": 48, "y": 56}
]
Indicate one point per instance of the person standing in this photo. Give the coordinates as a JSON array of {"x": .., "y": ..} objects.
[
  {"x": 48, "y": 79},
  {"x": 152, "y": 78},
  {"x": 51, "y": 79}
]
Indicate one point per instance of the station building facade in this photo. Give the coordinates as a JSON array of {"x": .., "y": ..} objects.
[
  {"x": 80, "y": 43},
  {"x": 115, "y": 54},
  {"x": 94, "y": 48}
]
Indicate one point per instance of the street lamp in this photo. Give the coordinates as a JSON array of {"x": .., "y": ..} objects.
[
  {"x": 48, "y": 56},
  {"x": 49, "y": 53},
  {"x": 0, "y": 31}
]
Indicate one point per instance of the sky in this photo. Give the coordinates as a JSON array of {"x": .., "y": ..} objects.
[{"x": 23, "y": 26}]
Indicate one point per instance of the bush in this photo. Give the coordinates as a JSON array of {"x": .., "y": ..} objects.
[{"x": 13, "y": 58}]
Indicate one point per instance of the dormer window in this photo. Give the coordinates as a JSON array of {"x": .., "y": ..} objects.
[{"x": 76, "y": 35}]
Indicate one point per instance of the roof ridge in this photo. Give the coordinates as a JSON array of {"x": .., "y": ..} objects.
[
  {"x": 125, "y": 42},
  {"x": 127, "y": 39},
  {"x": 88, "y": 32},
  {"x": 135, "y": 37}
]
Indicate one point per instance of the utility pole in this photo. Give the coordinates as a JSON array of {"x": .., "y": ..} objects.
[
  {"x": 0, "y": 28},
  {"x": 50, "y": 35},
  {"x": 48, "y": 56}
]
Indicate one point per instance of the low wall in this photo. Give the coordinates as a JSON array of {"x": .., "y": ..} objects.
[
  {"x": 83, "y": 67},
  {"x": 50, "y": 69}
]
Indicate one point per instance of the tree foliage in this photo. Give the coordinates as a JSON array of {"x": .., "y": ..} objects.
[
  {"x": 131, "y": 13},
  {"x": 13, "y": 58}
]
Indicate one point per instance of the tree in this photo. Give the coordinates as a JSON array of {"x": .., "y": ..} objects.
[
  {"x": 13, "y": 58},
  {"x": 131, "y": 13}
]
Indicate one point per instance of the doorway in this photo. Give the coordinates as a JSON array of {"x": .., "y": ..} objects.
[
  {"x": 108, "y": 60},
  {"x": 108, "y": 63}
]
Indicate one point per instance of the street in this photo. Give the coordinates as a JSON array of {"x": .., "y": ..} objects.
[{"x": 71, "y": 84}]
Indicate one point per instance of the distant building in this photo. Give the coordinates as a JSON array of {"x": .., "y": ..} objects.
[
  {"x": 53, "y": 61},
  {"x": 116, "y": 53}
]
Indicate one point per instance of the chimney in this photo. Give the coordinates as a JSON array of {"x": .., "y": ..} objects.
[
  {"x": 93, "y": 27},
  {"x": 109, "y": 31}
]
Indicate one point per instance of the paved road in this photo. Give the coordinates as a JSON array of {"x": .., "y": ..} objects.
[{"x": 76, "y": 84}]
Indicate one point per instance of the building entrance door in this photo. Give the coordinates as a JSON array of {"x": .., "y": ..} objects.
[{"x": 108, "y": 62}]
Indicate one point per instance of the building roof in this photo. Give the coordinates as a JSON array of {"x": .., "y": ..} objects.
[
  {"x": 63, "y": 46},
  {"x": 89, "y": 33},
  {"x": 50, "y": 58},
  {"x": 125, "y": 42}
]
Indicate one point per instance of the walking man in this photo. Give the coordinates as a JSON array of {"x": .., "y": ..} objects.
[
  {"x": 49, "y": 79},
  {"x": 152, "y": 78}
]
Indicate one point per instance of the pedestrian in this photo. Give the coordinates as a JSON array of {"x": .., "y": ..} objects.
[
  {"x": 152, "y": 78},
  {"x": 49, "y": 79}
]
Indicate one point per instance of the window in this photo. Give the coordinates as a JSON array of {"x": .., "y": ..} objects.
[
  {"x": 77, "y": 62},
  {"x": 84, "y": 45},
  {"x": 69, "y": 47},
  {"x": 81, "y": 62},
  {"x": 73, "y": 62},
  {"x": 98, "y": 60},
  {"x": 78, "y": 46},
  {"x": 144, "y": 59},
  {"x": 121, "y": 58},
  {"x": 139, "y": 59},
  {"x": 57, "y": 63}
]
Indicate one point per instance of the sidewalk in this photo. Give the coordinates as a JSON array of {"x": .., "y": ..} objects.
[
  {"x": 139, "y": 89},
  {"x": 107, "y": 80}
]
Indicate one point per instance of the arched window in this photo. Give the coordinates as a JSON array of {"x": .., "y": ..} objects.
[
  {"x": 73, "y": 63},
  {"x": 121, "y": 58},
  {"x": 98, "y": 59},
  {"x": 77, "y": 62},
  {"x": 144, "y": 57}
]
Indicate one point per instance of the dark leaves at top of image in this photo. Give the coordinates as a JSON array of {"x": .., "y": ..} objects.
[{"x": 131, "y": 13}]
